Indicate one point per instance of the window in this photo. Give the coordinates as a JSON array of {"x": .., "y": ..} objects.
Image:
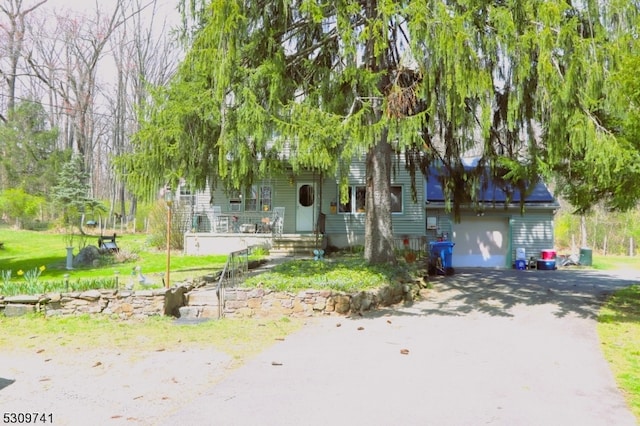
[
  {"x": 235, "y": 201},
  {"x": 258, "y": 198},
  {"x": 305, "y": 196},
  {"x": 355, "y": 204},
  {"x": 186, "y": 196},
  {"x": 358, "y": 194},
  {"x": 396, "y": 199}
]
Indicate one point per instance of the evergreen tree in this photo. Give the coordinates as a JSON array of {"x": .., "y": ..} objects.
[
  {"x": 72, "y": 192},
  {"x": 519, "y": 84},
  {"x": 30, "y": 160}
]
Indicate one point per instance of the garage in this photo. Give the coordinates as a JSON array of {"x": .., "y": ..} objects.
[{"x": 481, "y": 242}]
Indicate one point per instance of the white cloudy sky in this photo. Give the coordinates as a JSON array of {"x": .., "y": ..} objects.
[{"x": 164, "y": 8}]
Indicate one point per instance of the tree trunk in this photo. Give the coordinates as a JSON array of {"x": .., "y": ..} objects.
[
  {"x": 378, "y": 228},
  {"x": 583, "y": 231}
]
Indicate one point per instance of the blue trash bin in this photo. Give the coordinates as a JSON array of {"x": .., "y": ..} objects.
[{"x": 442, "y": 250}]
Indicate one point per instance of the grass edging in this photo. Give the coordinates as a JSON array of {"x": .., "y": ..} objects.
[
  {"x": 239, "y": 338},
  {"x": 619, "y": 332}
]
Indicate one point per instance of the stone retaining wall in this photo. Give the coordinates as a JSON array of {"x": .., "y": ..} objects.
[
  {"x": 122, "y": 303},
  {"x": 258, "y": 302},
  {"x": 199, "y": 302}
]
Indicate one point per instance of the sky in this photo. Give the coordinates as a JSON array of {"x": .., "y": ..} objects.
[{"x": 165, "y": 8}]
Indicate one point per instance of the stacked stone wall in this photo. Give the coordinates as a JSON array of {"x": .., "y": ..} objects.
[
  {"x": 257, "y": 302},
  {"x": 121, "y": 303},
  {"x": 202, "y": 302}
]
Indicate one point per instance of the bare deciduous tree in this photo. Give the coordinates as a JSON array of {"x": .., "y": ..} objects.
[
  {"x": 143, "y": 59},
  {"x": 13, "y": 37}
]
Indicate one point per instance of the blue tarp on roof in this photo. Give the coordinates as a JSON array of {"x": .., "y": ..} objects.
[{"x": 491, "y": 192}]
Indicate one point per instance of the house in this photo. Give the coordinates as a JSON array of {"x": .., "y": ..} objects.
[{"x": 306, "y": 207}]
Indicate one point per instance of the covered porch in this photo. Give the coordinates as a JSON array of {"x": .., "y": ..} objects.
[{"x": 214, "y": 220}]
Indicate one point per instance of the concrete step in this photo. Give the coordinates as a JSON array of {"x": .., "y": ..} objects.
[
  {"x": 202, "y": 298},
  {"x": 296, "y": 244}
]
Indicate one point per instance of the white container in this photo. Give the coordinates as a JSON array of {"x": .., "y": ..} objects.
[{"x": 521, "y": 253}]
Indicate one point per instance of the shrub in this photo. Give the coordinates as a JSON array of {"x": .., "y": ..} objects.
[
  {"x": 347, "y": 274},
  {"x": 158, "y": 226}
]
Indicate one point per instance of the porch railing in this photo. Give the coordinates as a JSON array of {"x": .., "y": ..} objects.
[{"x": 241, "y": 222}]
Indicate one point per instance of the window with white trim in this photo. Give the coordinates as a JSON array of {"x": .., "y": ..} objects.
[
  {"x": 258, "y": 198},
  {"x": 358, "y": 194}
]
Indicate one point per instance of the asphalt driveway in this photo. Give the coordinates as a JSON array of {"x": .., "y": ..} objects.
[{"x": 486, "y": 347}]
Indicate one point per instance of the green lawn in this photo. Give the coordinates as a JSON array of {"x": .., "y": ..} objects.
[
  {"x": 31, "y": 250},
  {"x": 28, "y": 250},
  {"x": 619, "y": 331},
  {"x": 615, "y": 262}
]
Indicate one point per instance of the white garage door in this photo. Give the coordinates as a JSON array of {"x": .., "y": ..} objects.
[{"x": 480, "y": 242}]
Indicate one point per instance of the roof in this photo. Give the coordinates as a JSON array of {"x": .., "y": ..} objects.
[{"x": 490, "y": 191}]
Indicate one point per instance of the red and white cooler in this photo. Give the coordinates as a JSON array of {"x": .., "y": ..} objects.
[{"x": 549, "y": 254}]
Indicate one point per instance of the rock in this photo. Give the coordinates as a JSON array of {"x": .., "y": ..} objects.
[
  {"x": 90, "y": 295},
  {"x": 54, "y": 297},
  {"x": 124, "y": 308},
  {"x": 342, "y": 303},
  {"x": 24, "y": 299},
  {"x": 174, "y": 300},
  {"x": 188, "y": 312},
  {"x": 257, "y": 292},
  {"x": 17, "y": 310},
  {"x": 362, "y": 301},
  {"x": 87, "y": 256}
]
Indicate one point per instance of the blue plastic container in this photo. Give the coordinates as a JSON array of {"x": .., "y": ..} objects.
[
  {"x": 521, "y": 264},
  {"x": 546, "y": 264},
  {"x": 444, "y": 250}
]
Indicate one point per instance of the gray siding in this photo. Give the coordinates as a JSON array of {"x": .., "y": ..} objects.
[
  {"x": 283, "y": 195},
  {"x": 443, "y": 224},
  {"x": 345, "y": 229},
  {"x": 533, "y": 232}
]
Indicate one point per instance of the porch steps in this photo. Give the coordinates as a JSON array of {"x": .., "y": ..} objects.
[{"x": 296, "y": 244}]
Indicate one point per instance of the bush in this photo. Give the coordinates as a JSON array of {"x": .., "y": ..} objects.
[
  {"x": 347, "y": 274},
  {"x": 158, "y": 226},
  {"x": 20, "y": 206}
]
